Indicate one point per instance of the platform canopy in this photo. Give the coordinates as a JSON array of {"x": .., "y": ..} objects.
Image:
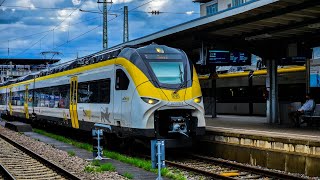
[
  {"x": 263, "y": 27},
  {"x": 25, "y": 61}
]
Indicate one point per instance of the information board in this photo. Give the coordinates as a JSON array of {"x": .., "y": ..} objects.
[
  {"x": 293, "y": 61},
  {"x": 228, "y": 58},
  {"x": 218, "y": 57}
]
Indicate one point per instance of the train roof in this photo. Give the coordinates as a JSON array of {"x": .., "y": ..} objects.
[{"x": 100, "y": 56}]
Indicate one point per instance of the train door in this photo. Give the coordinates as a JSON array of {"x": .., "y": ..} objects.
[
  {"x": 26, "y": 100},
  {"x": 10, "y": 100},
  {"x": 73, "y": 102},
  {"x": 121, "y": 101}
]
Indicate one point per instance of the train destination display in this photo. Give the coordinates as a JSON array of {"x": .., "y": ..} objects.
[{"x": 228, "y": 58}]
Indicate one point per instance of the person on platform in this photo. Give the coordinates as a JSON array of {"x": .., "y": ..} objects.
[{"x": 305, "y": 109}]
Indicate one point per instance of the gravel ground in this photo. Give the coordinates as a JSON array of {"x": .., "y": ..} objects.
[{"x": 73, "y": 164}]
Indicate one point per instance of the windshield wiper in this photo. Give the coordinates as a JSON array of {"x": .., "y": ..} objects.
[
  {"x": 180, "y": 87},
  {"x": 181, "y": 79}
]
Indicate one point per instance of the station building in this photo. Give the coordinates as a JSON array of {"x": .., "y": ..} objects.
[{"x": 211, "y": 7}]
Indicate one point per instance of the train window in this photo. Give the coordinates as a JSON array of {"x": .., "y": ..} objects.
[
  {"x": 94, "y": 91},
  {"x": 105, "y": 91},
  {"x": 17, "y": 98},
  {"x": 2, "y": 99},
  {"x": 53, "y": 97},
  {"x": 122, "y": 81}
]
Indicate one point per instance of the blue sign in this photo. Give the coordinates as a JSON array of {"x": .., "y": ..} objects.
[
  {"x": 154, "y": 153},
  {"x": 228, "y": 58}
]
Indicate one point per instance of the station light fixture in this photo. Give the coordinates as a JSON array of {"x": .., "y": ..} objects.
[
  {"x": 314, "y": 26},
  {"x": 258, "y": 37}
]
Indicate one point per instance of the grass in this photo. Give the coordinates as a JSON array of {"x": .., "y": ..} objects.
[
  {"x": 98, "y": 167},
  {"x": 71, "y": 153},
  {"x": 137, "y": 162},
  {"x": 128, "y": 175},
  {"x": 81, "y": 145}
]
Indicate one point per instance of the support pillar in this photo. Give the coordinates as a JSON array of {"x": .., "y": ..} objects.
[
  {"x": 213, "y": 96},
  {"x": 272, "y": 87}
]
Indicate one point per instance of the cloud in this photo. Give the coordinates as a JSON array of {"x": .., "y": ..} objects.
[
  {"x": 76, "y": 2},
  {"x": 22, "y": 22}
]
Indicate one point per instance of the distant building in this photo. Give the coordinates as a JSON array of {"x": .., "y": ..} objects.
[
  {"x": 13, "y": 68},
  {"x": 210, "y": 7}
]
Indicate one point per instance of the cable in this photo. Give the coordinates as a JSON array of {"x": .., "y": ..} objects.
[
  {"x": 52, "y": 29},
  {"x": 2, "y": 2},
  {"x": 88, "y": 30},
  {"x": 30, "y": 35},
  {"x": 35, "y": 8}
]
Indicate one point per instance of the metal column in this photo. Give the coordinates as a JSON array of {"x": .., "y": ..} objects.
[
  {"x": 105, "y": 25},
  {"x": 213, "y": 96},
  {"x": 125, "y": 24},
  {"x": 272, "y": 87}
]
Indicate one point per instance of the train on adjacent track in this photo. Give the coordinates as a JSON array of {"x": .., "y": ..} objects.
[
  {"x": 240, "y": 93},
  {"x": 140, "y": 92}
]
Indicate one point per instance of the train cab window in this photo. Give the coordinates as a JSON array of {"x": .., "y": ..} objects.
[{"x": 122, "y": 81}]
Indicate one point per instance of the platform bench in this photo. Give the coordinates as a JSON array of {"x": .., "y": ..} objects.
[{"x": 313, "y": 118}]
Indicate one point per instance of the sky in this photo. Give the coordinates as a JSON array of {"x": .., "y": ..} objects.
[{"x": 30, "y": 27}]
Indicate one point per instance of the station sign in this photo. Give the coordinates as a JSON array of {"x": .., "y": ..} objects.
[{"x": 228, "y": 58}]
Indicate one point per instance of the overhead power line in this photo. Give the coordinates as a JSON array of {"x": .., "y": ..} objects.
[
  {"x": 100, "y": 25},
  {"x": 52, "y": 30},
  {"x": 41, "y": 32},
  {"x": 39, "y": 8},
  {"x": 2, "y": 2}
]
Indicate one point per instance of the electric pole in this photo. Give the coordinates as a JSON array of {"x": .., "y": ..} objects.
[
  {"x": 125, "y": 25},
  {"x": 105, "y": 23}
]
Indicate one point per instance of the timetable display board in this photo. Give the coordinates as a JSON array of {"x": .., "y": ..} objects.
[
  {"x": 228, "y": 58},
  {"x": 293, "y": 60}
]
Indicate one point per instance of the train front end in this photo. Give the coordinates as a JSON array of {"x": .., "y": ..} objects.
[{"x": 168, "y": 103}]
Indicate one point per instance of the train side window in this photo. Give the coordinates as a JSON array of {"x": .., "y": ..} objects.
[
  {"x": 94, "y": 91},
  {"x": 105, "y": 91},
  {"x": 122, "y": 81}
]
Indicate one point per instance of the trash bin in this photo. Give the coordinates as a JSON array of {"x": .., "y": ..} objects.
[{"x": 285, "y": 108}]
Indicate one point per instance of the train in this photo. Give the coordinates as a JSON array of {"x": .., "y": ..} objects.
[
  {"x": 145, "y": 92},
  {"x": 236, "y": 95}
]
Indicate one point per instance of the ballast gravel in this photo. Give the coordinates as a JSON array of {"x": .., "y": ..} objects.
[{"x": 72, "y": 164}]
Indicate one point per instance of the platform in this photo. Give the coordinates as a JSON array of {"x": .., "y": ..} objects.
[
  {"x": 18, "y": 126},
  {"x": 252, "y": 140},
  {"x": 258, "y": 126}
]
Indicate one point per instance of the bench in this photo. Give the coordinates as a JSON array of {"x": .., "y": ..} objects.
[{"x": 311, "y": 118}]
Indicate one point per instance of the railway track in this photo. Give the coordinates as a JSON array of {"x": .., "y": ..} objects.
[
  {"x": 221, "y": 169},
  {"x": 18, "y": 162}
]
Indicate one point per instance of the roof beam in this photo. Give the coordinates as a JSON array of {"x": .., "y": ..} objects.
[
  {"x": 267, "y": 15},
  {"x": 280, "y": 28}
]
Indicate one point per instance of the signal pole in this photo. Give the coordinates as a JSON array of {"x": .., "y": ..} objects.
[{"x": 125, "y": 25}]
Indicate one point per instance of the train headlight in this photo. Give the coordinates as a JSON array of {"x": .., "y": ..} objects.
[
  {"x": 197, "y": 100},
  {"x": 150, "y": 100}
]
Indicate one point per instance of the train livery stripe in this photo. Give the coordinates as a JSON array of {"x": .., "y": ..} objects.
[{"x": 138, "y": 78}]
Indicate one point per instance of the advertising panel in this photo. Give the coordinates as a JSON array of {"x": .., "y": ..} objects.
[{"x": 315, "y": 73}]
